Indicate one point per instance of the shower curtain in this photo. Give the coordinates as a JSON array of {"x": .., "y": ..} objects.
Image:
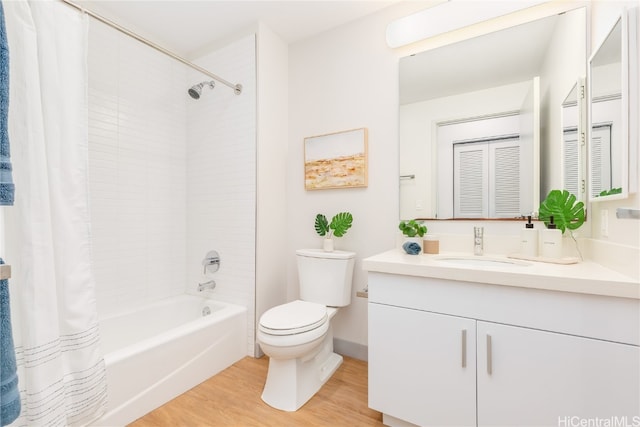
[{"x": 61, "y": 371}]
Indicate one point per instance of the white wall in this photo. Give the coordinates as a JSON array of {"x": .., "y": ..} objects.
[
  {"x": 347, "y": 78},
  {"x": 272, "y": 227},
  {"x": 137, "y": 176},
  {"x": 221, "y": 177}
]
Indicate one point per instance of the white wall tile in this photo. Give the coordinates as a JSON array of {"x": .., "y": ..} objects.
[
  {"x": 221, "y": 177},
  {"x": 137, "y": 170}
]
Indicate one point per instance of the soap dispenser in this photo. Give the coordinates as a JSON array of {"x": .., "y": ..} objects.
[
  {"x": 551, "y": 241},
  {"x": 529, "y": 239}
]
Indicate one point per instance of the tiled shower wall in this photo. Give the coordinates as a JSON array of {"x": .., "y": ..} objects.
[
  {"x": 137, "y": 170},
  {"x": 221, "y": 177},
  {"x": 170, "y": 177}
]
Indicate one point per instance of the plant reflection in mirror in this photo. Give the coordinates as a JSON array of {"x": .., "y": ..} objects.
[{"x": 610, "y": 192}]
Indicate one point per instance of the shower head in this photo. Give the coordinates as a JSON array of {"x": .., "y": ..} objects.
[{"x": 196, "y": 90}]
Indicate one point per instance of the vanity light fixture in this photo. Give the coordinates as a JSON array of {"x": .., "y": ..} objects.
[{"x": 448, "y": 16}]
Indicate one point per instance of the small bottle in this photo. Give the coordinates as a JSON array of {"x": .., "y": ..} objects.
[
  {"x": 551, "y": 241},
  {"x": 529, "y": 239}
]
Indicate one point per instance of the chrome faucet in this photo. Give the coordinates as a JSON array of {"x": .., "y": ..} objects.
[
  {"x": 211, "y": 262},
  {"x": 478, "y": 240},
  {"x": 210, "y": 285}
]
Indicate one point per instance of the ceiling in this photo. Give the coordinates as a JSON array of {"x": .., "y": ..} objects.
[{"x": 187, "y": 27}]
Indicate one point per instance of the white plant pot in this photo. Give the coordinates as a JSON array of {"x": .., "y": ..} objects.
[{"x": 327, "y": 245}]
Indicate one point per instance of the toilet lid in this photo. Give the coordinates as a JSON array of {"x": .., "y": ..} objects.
[{"x": 293, "y": 318}]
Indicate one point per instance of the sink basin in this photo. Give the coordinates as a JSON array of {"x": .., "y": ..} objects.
[{"x": 481, "y": 261}]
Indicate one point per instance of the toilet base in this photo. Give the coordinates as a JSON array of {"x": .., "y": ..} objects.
[{"x": 292, "y": 382}]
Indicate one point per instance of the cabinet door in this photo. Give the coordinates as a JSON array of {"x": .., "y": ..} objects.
[
  {"x": 534, "y": 378},
  {"x": 422, "y": 366}
]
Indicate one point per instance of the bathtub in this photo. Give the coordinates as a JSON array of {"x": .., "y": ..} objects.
[{"x": 161, "y": 350}]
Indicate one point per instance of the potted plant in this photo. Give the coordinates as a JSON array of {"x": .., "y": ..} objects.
[
  {"x": 338, "y": 227},
  {"x": 562, "y": 209},
  {"x": 413, "y": 231}
]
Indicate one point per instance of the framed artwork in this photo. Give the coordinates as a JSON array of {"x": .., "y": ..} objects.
[{"x": 336, "y": 160}]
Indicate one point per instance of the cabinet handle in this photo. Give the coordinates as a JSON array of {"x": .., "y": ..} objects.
[
  {"x": 464, "y": 348},
  {"x": 489, "y": 357}
]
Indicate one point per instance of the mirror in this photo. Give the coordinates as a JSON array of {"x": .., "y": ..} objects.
[
  {"x": 480, "y": 121},
  {"x": 608, "y": 126}
]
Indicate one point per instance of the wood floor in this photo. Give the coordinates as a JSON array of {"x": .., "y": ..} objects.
[{"x": 232, "y": 398}]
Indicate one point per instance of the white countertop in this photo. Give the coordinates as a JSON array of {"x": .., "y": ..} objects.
[{"x": 584, "y": 277}]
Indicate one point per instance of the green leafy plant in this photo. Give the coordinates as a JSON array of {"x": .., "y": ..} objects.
[
  {"x": 338, "y": 226},
  {"x": 412, "y": 228},
  {"x": 566, "y": 212}
]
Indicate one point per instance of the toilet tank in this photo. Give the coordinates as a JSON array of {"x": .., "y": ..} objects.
[{"x": 325, "y": 277}]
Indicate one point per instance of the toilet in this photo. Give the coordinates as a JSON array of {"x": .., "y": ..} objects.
[{"x": 297, "y": 336}]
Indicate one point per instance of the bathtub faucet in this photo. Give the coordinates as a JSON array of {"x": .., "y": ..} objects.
[
  {"x": 211, "y": 285},
  {"x": 211, "y": 262}
]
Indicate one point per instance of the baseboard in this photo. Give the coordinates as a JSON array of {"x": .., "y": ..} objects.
[{"x": 351, "y": 349}]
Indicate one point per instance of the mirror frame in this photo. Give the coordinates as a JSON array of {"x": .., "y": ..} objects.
[{"x": 623, "y": 156}]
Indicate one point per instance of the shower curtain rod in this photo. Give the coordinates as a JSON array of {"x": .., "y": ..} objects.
[{"x": 236, "y": 87}]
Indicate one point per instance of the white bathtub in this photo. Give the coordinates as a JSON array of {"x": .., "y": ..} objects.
[{"x": 161, "y": 350}]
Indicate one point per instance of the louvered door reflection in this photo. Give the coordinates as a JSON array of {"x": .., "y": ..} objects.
[
  {"x": 600, "y": 159},
  {"x": 470, "y": 184},
  {"x": 571, "y": 161},
  {"x": 487, "y": 179},
  {"x": 504, "y": 179}
]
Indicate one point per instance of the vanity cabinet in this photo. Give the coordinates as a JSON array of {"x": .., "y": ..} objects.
[
  {"x": 443, "y": 352},
  {"x": 422, "y": 366},
  {"x": 539, "y": 378}
]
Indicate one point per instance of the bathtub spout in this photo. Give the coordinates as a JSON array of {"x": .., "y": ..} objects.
[{"x": 211, "y": 285}]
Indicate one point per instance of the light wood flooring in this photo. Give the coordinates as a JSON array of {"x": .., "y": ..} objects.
[{"x": 232, "y": 398}]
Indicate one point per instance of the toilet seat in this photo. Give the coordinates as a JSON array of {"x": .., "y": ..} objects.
[{"x": 296, "y": 317}]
